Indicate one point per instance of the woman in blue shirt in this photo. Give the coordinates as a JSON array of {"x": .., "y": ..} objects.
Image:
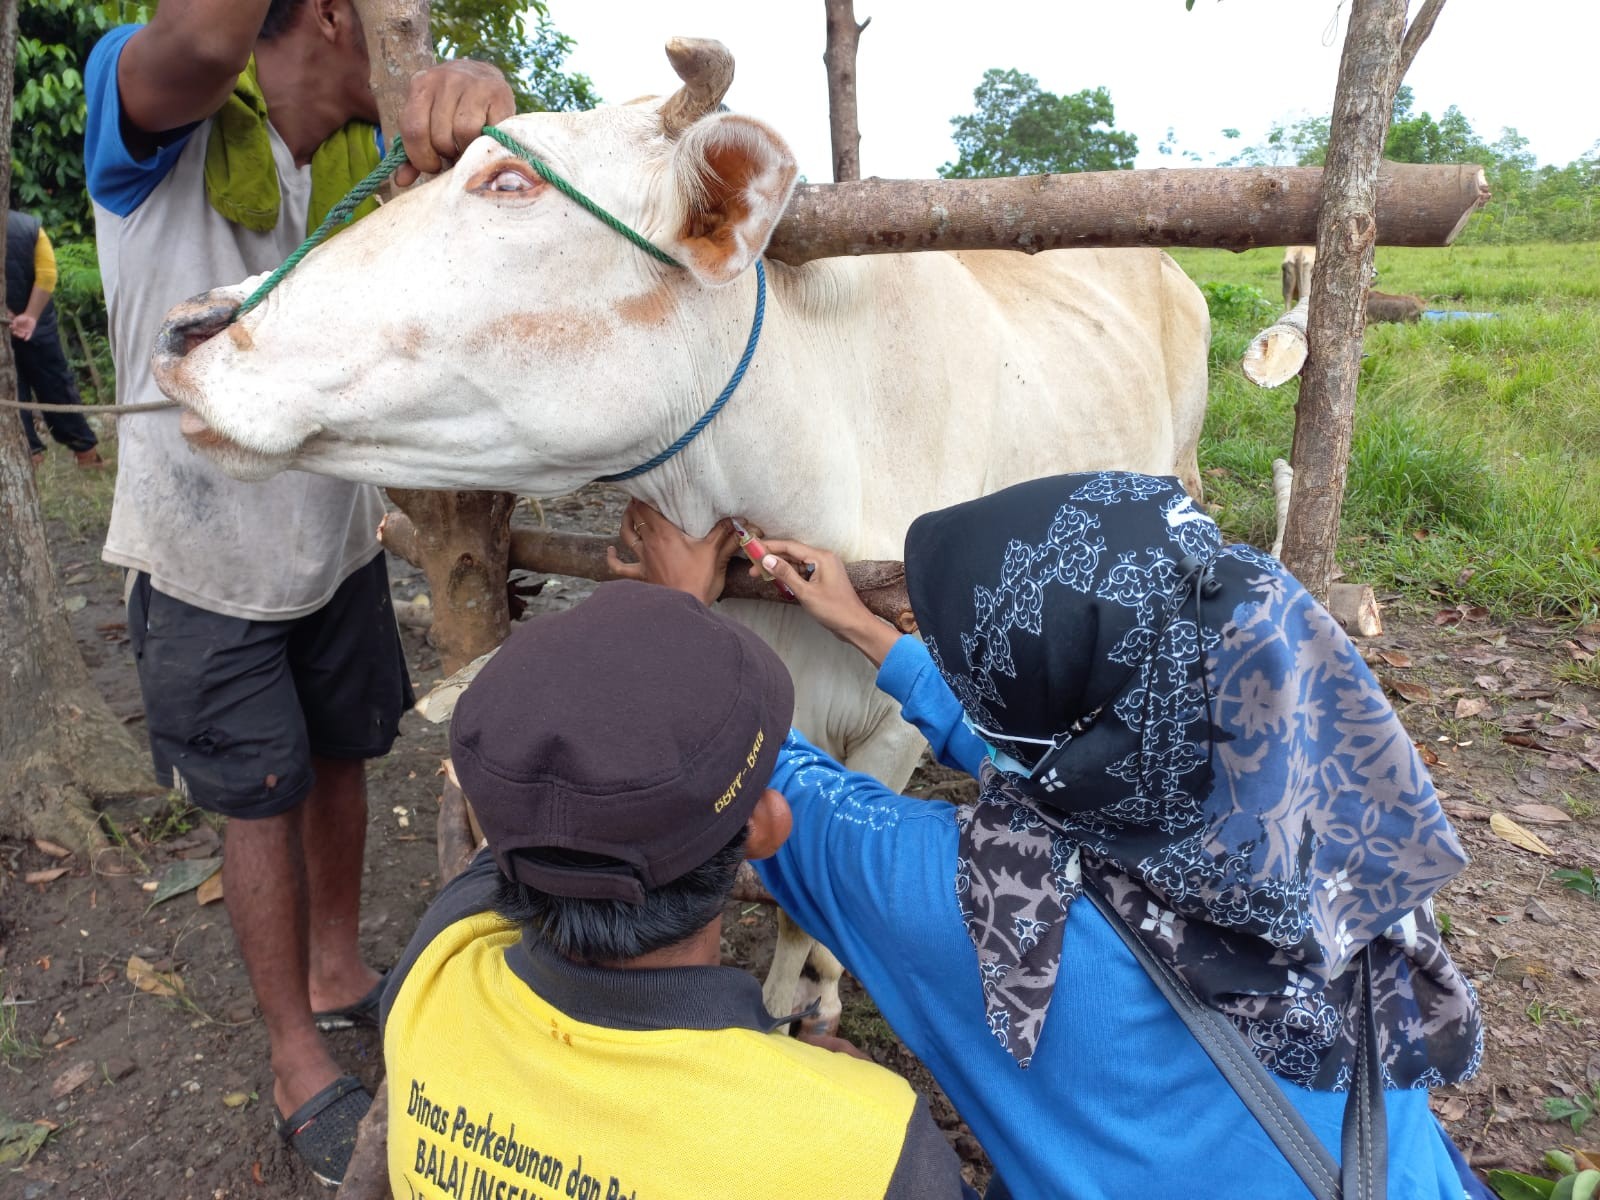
[{"x": 1179, "y": 726}]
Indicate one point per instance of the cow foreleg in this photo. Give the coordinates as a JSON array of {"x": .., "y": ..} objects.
[
  {"x": 781, "y": 992},
  {"x": 1282, "y": 487},
  {"x": 819, "y": 984},
  {"x": 804, "y": 973}
]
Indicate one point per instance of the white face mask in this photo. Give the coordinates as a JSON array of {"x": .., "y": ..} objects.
[{"x": 997, "y": 756}]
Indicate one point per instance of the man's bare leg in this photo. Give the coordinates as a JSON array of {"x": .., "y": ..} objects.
[
  {"x": 264, "y": 881},
  {"x": 333, "y": 835}
]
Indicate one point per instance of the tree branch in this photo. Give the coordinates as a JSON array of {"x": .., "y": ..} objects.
[{"x": 1421, "y": 27}]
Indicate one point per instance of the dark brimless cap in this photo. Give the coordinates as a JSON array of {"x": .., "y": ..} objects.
[{"x": 620, "y": 744}]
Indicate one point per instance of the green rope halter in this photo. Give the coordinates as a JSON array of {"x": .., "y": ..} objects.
[
  {"x": 391, "y": 162},
  {"x": 345, "y": 208}
]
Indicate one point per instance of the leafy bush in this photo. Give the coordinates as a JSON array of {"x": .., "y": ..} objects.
[{"x": 1237, "y": 304}]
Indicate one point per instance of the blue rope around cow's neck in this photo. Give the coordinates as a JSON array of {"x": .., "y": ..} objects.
[
  {"x": 392, "y": 161},
  {"x": 693, "y": 431}
]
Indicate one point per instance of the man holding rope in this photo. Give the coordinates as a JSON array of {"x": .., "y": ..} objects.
[{"x": 271, "y": 667}]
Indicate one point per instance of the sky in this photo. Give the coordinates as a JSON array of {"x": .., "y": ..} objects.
[{"x": 1229, "y": 63}]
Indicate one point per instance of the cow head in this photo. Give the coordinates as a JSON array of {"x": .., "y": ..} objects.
[{"x": 482, "y": 330}]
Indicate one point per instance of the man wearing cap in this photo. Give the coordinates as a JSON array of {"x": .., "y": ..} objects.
[{"x": 560, "y": 1023}]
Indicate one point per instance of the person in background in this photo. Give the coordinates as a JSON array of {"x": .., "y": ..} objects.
[
  {"x": 218, "y": 135},
  {"x": 1178, "y": 726},
  {"x": 561, "y": 1019},
  {"x": 43, "y": 373}
]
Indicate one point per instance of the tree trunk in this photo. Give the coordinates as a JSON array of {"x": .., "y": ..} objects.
[
  {"x": 60, "y": 747},
  {"x": 462, "y": 543},
  {"x": 1229, "y": 208},
  {"x": 1347, "y": 231},
  {"x": 95, "y": 381},
  {"x": 464, "y": 534},
  {"x": 844, "y": 35}
]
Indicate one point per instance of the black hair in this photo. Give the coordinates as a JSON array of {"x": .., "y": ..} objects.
[
  {"x": 280, "y": 15},
  {"x": 611, "y": 931}
]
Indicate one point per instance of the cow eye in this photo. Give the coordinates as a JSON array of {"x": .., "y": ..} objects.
[{"x": 503, "y": 179}]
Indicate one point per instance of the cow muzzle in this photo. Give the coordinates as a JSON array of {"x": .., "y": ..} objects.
[
  {"x": 191, "y": 323},
  {"x": 181, "y": 373},
  {"x": 188, "y": 325}
]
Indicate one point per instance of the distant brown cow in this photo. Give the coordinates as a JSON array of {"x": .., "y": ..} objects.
[
  {"x": 1297, "y": 263},
  {"x": 1381, "y": 306}
]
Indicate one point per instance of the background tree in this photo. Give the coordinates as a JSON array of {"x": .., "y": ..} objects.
[
  {"x": 61, "y": 750},
  {"x": 1302, "y": 143},
  {"x": 55, "y": 37},
  {"x": 1019, "y": 128},
  {"x": 517, "y": 37}
]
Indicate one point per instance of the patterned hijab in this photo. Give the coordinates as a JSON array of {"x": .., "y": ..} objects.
[{"x": 1187, "y": 731}]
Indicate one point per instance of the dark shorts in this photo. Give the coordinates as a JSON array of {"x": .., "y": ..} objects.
[{"x": 236, "y": 709}]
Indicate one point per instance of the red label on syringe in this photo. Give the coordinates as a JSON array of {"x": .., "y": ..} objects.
[{"x": 755, "y": 552}]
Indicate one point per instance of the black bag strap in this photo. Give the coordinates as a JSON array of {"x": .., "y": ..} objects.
[{"x": 1364, "y": 1141}]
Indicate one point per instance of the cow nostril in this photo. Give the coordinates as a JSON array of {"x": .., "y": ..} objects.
[{"x": 193, "y": 322}]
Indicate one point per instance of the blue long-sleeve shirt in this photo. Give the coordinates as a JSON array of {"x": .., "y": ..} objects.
[{"x": 1119, "y": 1094}]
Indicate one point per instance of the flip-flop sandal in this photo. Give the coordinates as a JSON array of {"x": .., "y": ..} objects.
[
  {"x": 363, "y": 1012},
  {"x": 322, "y": 1131}
]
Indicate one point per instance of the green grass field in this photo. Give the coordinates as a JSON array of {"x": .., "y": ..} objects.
[{"x": 1475, "y": 471}]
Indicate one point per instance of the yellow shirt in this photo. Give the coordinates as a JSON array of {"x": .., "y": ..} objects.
[
  {"x": 515, "y": 1074},
  {"x": 44, "y": 264}
]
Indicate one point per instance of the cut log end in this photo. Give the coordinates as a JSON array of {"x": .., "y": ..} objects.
[
  {"x": 1355, "y": 607},
  {"x": 1278, "y": 352}
]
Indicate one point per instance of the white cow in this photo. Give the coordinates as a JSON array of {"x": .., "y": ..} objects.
[{"x": 482, "y": 331}]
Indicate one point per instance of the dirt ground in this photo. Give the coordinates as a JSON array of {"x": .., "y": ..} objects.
[{"x": 140, "y": 1094}]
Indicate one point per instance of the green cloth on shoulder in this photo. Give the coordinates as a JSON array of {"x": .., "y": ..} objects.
[{"x": 242, "y": 179}]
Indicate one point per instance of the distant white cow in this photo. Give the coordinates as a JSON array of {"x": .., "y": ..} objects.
[
  {"x": 1297, "y": 264},
  {"x": 482, "y": 331}
]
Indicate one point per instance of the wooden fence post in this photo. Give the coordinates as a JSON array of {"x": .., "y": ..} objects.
[{"x": 1376, "y": 49}]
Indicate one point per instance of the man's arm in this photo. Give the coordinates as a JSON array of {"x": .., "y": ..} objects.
[
  {"x": 44, "y": 283},
  {"x": 180, "y": 67}
]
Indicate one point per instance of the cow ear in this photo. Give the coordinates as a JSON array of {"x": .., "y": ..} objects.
[{"x": 735, "y": 175}]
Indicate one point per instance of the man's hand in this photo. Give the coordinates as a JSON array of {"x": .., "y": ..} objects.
[
  {"x": 826, "y": 594},
  {"x": 22, "y": 326},
  {"x": 838, "y": 1045},
  {"x": 671, "y": 557},
  {"x": 446, "y": 111}
]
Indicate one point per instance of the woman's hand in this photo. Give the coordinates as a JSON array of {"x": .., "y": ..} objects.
[
  {"x": 668, "y": 556},
  {"x": 827, "y": 595}
]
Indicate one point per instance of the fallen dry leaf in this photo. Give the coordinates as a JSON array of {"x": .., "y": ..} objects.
[
  {"x": 73, "y": 1078},
  {"x": 45, "y": 876},
  {"x": 1471, "y": 706},
  {"x": 1508, "y": 830},
  {"x": 147, "y": 979},
  {"x": 1427, "y": 754},
  {"x": 1526, "y": 740},
  {"x": 1542, "y": 814},
  {"x": 1417, "y": 693},
  {"x": 53, "y": 850},
  {"x": 210, "y": 891},
  {"x": 1452, "y": 1109},
  {"x": 1395, "y": 658},
  {"x": 1460, "y": 810}
]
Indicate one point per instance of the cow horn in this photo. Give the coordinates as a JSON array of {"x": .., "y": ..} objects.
[{"x": 706, "y": 68}]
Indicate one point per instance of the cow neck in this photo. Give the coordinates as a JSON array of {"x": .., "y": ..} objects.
[{"x": 722, "y": 398}]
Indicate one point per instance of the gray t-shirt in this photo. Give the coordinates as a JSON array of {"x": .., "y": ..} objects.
[{"x": 261, "y": 551}]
